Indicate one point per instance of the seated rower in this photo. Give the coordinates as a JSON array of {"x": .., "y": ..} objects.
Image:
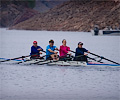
[
  {"x": 80, "y": 55},
  {"x": 50, "y": 51},
  {"x": 35, "y": 51},
  {"x": 64, "y": 51}
]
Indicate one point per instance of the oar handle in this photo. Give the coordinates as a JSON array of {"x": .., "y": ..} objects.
[
  {"x": 72, "y": 51},
  {"x": 44, "y": 51}
]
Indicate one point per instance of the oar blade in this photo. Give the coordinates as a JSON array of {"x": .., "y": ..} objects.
[{"x": 105, "y": 58}]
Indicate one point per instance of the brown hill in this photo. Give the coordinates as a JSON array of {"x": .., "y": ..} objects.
[
  {"x": 75, "y": 16},
  {"x": 12, "y": 13}
]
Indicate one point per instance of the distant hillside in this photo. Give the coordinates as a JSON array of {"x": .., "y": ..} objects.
[
  {"x": 45, "y": 5},
  {"x": 14, "y": 11},
  {"x": 75, "y": 16}
]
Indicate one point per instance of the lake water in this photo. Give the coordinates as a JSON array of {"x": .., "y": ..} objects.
[{"x": 42, "y": 82}]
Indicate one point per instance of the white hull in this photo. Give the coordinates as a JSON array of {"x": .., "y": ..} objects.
[{"x": 59, "y": 63}]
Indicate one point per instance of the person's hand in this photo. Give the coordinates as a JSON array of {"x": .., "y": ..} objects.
[
  {"x": 56, "y": 49},
  {"x": 85, "y": 54},
  {"x": 69, "y": 53},
  {"x": 55, "y": 52},
  {"x": 88, "y": 52},
  {"x": 39, "y": 49},
  {"x": 40, "y": 52}
]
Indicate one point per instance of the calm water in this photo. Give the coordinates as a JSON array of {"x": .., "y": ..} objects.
[{"x": 33, "y": 82}]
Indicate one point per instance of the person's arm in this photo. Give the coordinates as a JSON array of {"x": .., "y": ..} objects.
[
  {"x": 86, "y": 51},
  {"x": 68, "y": 48},
  {"x": 31, "y": 50},
  {"x": 40, "y": 49},
  {"x": 52, "y": 51},
  {"x": 56, "y": 49}
]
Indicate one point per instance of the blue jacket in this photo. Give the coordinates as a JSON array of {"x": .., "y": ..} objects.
[
  {"x": 80, "y": 51},
  {"x": 34, "y": 50}
]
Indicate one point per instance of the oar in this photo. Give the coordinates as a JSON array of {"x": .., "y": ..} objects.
[
  {"x": 32, "y": 59},
  {"x": 104, "y": 58},
  {"x": 15, "y": 58},
  {"x": 87, "y": 57},
  {"x": 44, "y": 51},
  {"x": 18, "y": 58},
  {"x": 73, "y": 51}
]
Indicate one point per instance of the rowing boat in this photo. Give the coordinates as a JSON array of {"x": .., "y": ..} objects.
[{"x": 59, "y": 63}]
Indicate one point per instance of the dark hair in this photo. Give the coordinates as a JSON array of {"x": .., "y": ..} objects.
[
  {"x": 51, "y": 41},
  {"x": 63, "y": 40}
]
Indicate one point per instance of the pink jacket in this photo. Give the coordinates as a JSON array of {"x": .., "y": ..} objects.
[{"x": 64, "y": 50}]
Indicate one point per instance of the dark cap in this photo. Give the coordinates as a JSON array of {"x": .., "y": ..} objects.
[
  {"x": 51, "y": 41},
  {"x": 80, "y": 43}
]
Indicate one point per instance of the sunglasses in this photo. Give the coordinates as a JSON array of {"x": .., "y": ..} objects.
[
  {"x": 34, "y": 43},
  {"x": 51, "y": 42}
]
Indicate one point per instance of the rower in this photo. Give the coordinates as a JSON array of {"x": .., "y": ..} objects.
[
  {"x": 64, "y": 51},
  {"x": 79, "y": 54},
  {"x": 50, "y": 51},
  {"x": 35, "y": 51}
]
